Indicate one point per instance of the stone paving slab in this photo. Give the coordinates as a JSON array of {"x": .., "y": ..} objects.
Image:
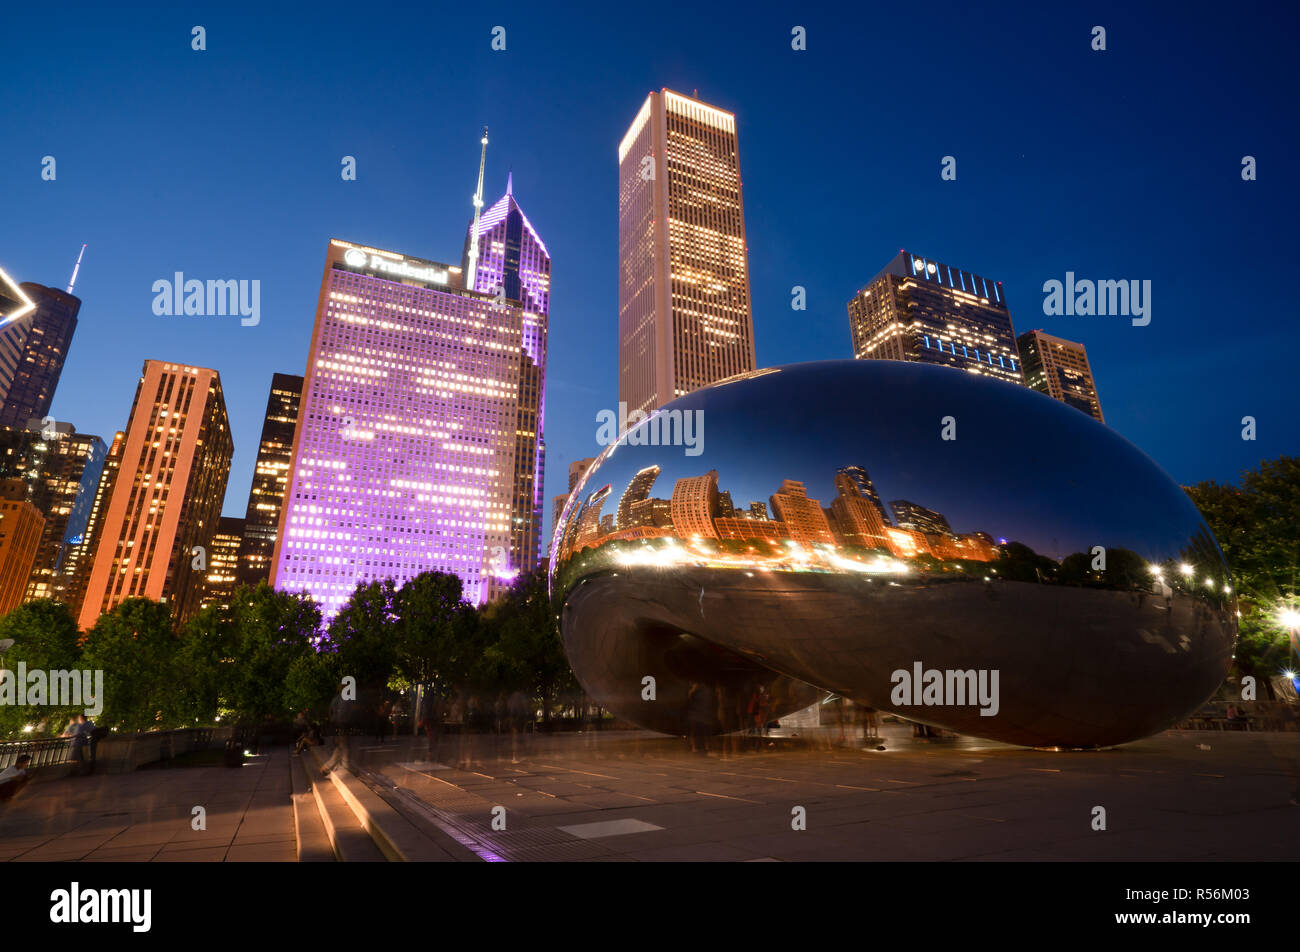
[{"x": 146, "y": 816}]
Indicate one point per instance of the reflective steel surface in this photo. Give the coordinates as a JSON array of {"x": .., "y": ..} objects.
[{"x": 962, "y": 552}]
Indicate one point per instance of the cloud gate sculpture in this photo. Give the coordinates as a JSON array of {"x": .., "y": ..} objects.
[{"x": 956, "y": 550}]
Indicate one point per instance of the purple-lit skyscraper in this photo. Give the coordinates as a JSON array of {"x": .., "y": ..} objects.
[
  {"x": 513, "y": 264},
  {"x": 418, "y": 444}
]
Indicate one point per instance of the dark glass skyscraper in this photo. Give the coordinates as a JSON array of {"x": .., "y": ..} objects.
[
  {"x": 223, "y": 563},
  {"x": 910, "y": 515},
  {"x": 919, "y": 309},
  {"x": 80, "y": 551},
  {"x": 61, "y": 470},
  {"x": 32, "y": 352},
  {"x": 270, "y": 477}
]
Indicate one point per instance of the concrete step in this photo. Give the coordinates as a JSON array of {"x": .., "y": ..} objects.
[
  {"x": 398, "y": 828},
  {"x": 313, "y": 841},
  {"x": 351, "y": 843}
]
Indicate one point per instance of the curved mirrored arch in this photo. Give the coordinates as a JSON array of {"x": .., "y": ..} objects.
[{"x": 893, "y": 532}]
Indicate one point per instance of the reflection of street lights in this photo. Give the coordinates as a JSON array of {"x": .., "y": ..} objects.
[{"x": 1289, "y": 619}]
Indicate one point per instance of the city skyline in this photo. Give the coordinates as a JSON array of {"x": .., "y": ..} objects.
[{"x": 788, "y": 209}]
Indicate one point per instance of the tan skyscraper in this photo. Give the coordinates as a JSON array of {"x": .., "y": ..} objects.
[
  {"x": 1059, "y": 368},
  {"x": 577, "y": 470},
  {"x": 804, "y": 518},
  {"x": 167, "y": 495},
  {"x": 695, "y": 505},
  {"x": 684, "y": 313}
]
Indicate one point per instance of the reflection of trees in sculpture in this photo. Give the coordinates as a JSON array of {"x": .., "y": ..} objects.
[
  {"x": 1124, "y": 569},
  {"x": 1020, "y": 563}
]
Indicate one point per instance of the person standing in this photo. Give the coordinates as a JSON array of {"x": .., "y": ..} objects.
[
  {"x": 79, "y": 740},
  {"x": 341, "y": 719},
  {"x": 699, "y": 716},
  {"x": 86, "y": 727}
]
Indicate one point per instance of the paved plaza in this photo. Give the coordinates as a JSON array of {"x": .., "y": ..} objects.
[
  {"x": 634, "y": 796},
  {"x": 624, "y": 796},
  {"x": 147, "y": 815}
]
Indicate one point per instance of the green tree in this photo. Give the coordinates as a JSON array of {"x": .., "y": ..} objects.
[
  {"x": 311, "y": 681},
  {"x": 436, "y": 637},
  {"x": 1257, "y": 526},
  {"x": 45, "y": 638},
  {"x": 527, "y": 636},
  {"x": 239, "y": 656},
  {"x": 1020, "y": 563},
  {"x": 363, "y": 634},
  {"x": 136, "y": 649},
  {"x": 206, "y": 653}
]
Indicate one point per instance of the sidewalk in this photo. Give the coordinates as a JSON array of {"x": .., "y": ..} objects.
[
  {"x": 147, "y": 815},
  {"x": 624, "y": 796}
]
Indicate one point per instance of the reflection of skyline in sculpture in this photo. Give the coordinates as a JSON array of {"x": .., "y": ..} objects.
[
  {"x": 1104, "y": 603},
  {"x": 698, "y": 509}
]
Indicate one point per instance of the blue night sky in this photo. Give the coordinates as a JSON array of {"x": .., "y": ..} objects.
[{"x": 1117, "y": 164}]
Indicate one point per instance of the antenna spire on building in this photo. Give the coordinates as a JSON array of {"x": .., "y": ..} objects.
[
  {"x": 510, "y": 182},
  {"x": 478, "y": 206},
  {"x": 76, "y": 268}
]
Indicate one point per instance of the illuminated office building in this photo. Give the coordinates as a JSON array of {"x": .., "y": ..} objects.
[
  {"x": 513, "y": 265},
  {"x": 695, "y": 506},
  {"x": 576, "y": 471},
  {"x": 81, "y": 550},
  {"x": 909, "y": 515},
  {"x": 920, "y": 309},
  {"x": 1060, "y": 369},
  {"x": 651, "y": 514},
  {"x": 419, "y": 434},
  {"x": 20, "y": 536},
  {"x": 589, "y": 523},
  {"x": 858, "y": 518},
  {"x": 270, "y": 478},
  {"x": 804, "y": 519},
  {"x": 637, "y": 490},
  {"x": 60, "y": 469},
  {"x": 32, "y": 351},
  {"x": 167, "y": 494},
  {"x": 684, "y": 312},
  {"x": 222, "y": 577},
  {"x": 854, "y": 479}
]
